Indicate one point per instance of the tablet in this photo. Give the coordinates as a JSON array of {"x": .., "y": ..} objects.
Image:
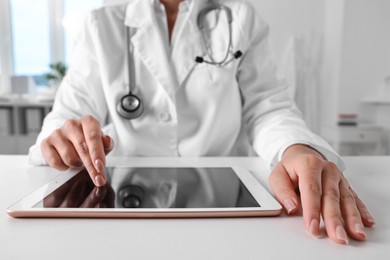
[{"x": 151, "y": 192}]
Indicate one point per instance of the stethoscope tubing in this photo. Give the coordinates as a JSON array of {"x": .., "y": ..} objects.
[
  {"x": 130, "y": 62},
  {"x": 207, "y": 44}
]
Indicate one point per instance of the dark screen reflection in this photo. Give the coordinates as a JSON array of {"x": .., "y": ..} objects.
[
  {"x": 80, "y": 192},
  {"x": 154, "y": 188}
]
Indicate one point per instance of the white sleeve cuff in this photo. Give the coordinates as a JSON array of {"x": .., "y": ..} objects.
[
  {"x": 325, "y": 150},
  {"x": 35, "y": 156}
]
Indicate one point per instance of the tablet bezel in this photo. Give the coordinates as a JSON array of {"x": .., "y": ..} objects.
[{"x": 269, "y": 206}]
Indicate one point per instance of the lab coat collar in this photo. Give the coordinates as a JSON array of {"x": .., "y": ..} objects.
[
  {"x": 148, "y": 43},
  {"x": 189, "y": 43},
  {"x": 138, "y": 13}
]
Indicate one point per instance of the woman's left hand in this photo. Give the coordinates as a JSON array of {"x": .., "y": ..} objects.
[{"x": 323, "y": 191}]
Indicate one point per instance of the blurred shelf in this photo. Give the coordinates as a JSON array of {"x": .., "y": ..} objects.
[
  {"x": 339, "y": 136},
  {"x": 20, "y": 122},
  {"x": 376, "y": 101}
]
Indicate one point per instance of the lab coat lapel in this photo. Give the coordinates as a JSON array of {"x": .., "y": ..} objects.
[
  {"x": 149, "y": 45},
  {"x": 189, "y": 45}
]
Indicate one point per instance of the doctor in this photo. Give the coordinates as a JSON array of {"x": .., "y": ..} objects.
[{"x": 193, "y": 78}]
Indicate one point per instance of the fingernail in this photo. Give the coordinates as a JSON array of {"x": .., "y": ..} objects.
[
  {"x": 360, "y": 230},
  {"x": 100, "y": 180},
  {"x": 341, "y": 235},
  {"x": 290, "y": 206},
  {"x": 99, "y": 166},
  {"x": 314, "y": 228}
]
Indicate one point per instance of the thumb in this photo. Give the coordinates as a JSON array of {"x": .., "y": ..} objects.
[
  {"x": 108, "y": 143},
  {"x": 283, "y": 188}
]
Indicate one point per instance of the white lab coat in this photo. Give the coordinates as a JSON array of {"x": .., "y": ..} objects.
[{"x": 190, "y": 109}]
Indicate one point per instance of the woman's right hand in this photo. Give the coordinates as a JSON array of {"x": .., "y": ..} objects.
[{"x": 77, "y": 143}]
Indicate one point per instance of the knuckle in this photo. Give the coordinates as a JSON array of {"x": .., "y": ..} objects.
[
  {"x": 71, "y": 124},
  {"x": 314, "y": 188},
  {"x": 54, "y": 162},
  {"x": 283, "y": 191},
  {"x": 94, "y": 152},
  {"x": 89, "y": 119},
  {"x": 312, "y": 160},
  {"x": 56, "y": 134},
  {"x": 59, "y": 166},
  {"x": 50, "y": 159},
  {"x": 45, "y": 144},
  {"x": 332, "y": 217},
  {"x": 347, "y": 197},
  {"x": 332, "y": 167},
  {"x": 93, "y": 136},
  {"x": 333, "y": 176},
  {"x": 332, "y": 194},
  {"x": 355, "y": 215},
  {"x": 70, "y": 159},
  {"x": 82, "y": 147},
  {"x": 315, "y": 209},
  {"x": 309, "y": 164}
]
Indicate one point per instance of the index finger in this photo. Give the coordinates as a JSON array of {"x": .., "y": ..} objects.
[
  {"x": 97, "y": 159},
  {"x": 75, "y": 133},
  {"x": 283, "y": 188}
]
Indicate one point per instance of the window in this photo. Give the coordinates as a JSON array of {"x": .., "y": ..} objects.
[
  {"x": 34, "y": 45},
  {"x": 74, "y": 12},
  {"x": 30, "y": 36}
]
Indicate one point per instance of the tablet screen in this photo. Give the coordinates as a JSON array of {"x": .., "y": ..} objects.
[{"x": 153, "y": 188}]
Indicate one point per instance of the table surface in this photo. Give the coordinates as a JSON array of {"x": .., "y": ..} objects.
[{"x": 280, "y": 237}]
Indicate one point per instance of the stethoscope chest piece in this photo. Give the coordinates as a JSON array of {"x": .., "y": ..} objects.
[
  {"x": 130, "y": 107},
  {"x": 131, "y": 196}
]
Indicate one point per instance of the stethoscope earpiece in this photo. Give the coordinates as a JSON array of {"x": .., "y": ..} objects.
[
  {"x": 213, "y": 5},
  {"x": 237, "y": 54},
  {"x": 199, "y": 59}
]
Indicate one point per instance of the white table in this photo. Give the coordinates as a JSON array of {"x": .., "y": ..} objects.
[{"x": 280, "y": 237}]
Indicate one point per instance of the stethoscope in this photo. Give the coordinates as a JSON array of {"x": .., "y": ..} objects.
[
  {"x": 131, "y": 106},
  {"x": 229, "y": 52},
  {"x": 131, "y": 196}
]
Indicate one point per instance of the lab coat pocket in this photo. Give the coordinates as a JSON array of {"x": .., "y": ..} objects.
[{"x": 216, "y": 87}]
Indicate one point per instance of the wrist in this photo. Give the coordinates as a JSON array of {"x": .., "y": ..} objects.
[{"x": 300, "y": 149}]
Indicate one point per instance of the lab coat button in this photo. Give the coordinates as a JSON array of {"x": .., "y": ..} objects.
[{"x": 164, "y": 117}]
